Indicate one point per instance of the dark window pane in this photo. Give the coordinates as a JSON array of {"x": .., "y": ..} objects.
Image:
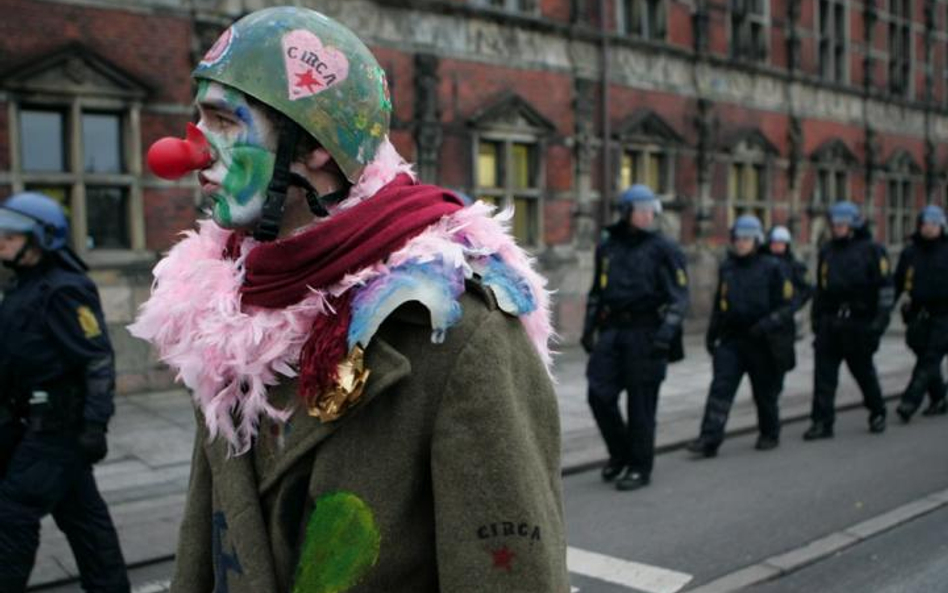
[
  {"x": 42, "y": 146},
  {"x": 102, "y": 142},
  {"x": 107, "y": 209}
]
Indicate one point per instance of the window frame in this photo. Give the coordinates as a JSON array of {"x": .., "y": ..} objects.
[
  {"x": 903, "y": 25},
  {"x": 838, "y": 64},
  {"x": 903, "y": 211},
  {"x": 74, "y": 179},
  {"x": 740, "y": 24},
  {"x": 646, "y": 8},
  {"x": 745, "y": 156},
  {"x": 506, "y": 194},
  {"x": 645, "y": 150},
  {"x": 511, "y": 6}
]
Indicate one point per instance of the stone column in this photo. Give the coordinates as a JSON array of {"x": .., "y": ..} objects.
[{"x": 428, "y": 132}]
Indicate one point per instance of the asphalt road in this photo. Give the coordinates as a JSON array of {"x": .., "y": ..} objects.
[
  {"x": 912, "y": 558},
  {"x": 708, "y": 518}
]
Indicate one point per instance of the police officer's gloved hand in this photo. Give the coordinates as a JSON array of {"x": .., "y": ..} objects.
[
  {"x": 92, "y": 442},
  {"x": 588, "y": 341},
  {"x": 710, "y": 344},
  {"x": 662, "y": 340}
]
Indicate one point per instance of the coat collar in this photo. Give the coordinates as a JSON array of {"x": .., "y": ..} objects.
[{"x": 387, "y": 365}]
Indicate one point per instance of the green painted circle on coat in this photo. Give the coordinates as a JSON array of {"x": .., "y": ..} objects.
[{"x": 341, "y": 546}]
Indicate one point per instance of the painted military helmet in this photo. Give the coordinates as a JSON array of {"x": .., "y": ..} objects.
[{"x": 313, "y": 70}]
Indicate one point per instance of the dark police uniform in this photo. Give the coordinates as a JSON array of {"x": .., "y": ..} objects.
[
  {"x": 854, "y": 296},
  {"x": 797, "y": 272},
  {"x": 637, "y": 302},
  {"x": 753, "y": 303},
  {"x": 922, "y": 274},
  {"x": 57, "y": 372}
]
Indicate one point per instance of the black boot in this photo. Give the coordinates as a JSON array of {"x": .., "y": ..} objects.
[
  {"x": 703, "y": 447},
  {"x": 632, "y": 480},
  {"x": 766, "y": 443},
  {"x": 905, "y": 411},
  {"x": 877, "y": 422},
  {"x": 936, "y": 408},
  {"x": 818, "y": 430},
  {"x": 611, "y": 470}
]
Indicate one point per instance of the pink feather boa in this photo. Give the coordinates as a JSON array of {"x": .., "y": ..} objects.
[{"x": 229, "y": 355}]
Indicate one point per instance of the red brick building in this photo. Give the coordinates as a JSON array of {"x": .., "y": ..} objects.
[{"x": 776, "y": 107}]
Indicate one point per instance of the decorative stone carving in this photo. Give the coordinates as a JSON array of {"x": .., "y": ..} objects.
[
  {"x": 795, "y": 151},
  {"x": 586, "y": 142},
  {"x": 428, "y": 132}
]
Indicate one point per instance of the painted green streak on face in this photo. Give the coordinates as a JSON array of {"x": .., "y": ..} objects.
[
  {"x": 342, "y": 545},
  {"x": 222, "y": 212},
  {"x": 249, "y": 173},
  {"x": 203, "y": 86}
]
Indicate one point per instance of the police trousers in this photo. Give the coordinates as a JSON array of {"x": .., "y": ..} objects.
[
  {"x": 623, "y": 360},
  {"x": 48, "y": 474},
  {"x": 735, "y": 356},
  {"x": 833, "y": 345},
  {"x": 930, "y": 348}
]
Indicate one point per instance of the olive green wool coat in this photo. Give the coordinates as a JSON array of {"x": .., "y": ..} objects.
[{"x": 444, "y": 477}]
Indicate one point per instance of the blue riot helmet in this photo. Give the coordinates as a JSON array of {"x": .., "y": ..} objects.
[
  {"x": 747, "y": 226},
  {"x": 36, "y": 215},
  {"x": 933, "y": 214},
  {"x": 780, "y": 234},
  {"x": 638, "y": 197},
  {"x": 845, "y": 212}
]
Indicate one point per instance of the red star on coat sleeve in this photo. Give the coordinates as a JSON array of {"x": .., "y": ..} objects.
[
  {"x": 307, "y": 80},
  {"x": 503, "y": 558}
]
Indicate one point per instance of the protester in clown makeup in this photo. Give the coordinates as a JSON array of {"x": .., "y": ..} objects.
[{"x": 368, "y": 356}]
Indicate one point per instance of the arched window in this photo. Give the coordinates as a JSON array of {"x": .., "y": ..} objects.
[
  {"x": 748, "y": 187},
  {"x": 508, "y": 147},
  {"x": 75, "y": 135}
]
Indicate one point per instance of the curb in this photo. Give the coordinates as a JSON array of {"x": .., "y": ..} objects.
[
  {"x": 585, "y": 466},
  {"x": 790, "y": 561}
]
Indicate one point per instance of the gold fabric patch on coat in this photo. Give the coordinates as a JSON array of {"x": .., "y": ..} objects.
[
  {"x": 909, "y": 279},
  {"x": 884, "y": 265},
  {"x": 682, "y": 278},
  {"x": 88, "y": 322},
  {"x": 349, "y": 386},
  {"x": 787, "y": 290}
]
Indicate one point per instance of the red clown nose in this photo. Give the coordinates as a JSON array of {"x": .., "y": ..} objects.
[{"x": 172, "y": 158}]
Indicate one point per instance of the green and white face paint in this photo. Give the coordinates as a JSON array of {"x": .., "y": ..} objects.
[{"x": 243, "y": 145}]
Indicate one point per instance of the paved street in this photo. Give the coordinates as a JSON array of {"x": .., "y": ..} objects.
[
  {"x": 146, "y": 473},
  {"x": 709, "y": 518}
]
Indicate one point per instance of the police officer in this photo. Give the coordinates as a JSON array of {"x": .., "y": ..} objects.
[
  {"x": 57, "y": 376},
  {"x": 633, "y": 329},
  {"x": 922, "y": 274},
  {"x": 854, "y": 297},
  {"x": 752, "y": 304},
  {"x": 779, "y": 246}
]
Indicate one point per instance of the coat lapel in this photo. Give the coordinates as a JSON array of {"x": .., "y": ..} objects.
[{"x": 387, "y": 367}]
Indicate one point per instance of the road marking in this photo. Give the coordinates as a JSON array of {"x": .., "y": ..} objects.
[
  {"x": 634, "y": 575},
  {"x": 153, "y": 587}
]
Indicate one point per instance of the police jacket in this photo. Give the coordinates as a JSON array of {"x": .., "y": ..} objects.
[
  {"x": 796, "y": 271},
  {"x": 754, "y": 295},
  {"x": 922, "y": 274},
  {"x": 55, "y": 355},
  {"x": 854, "y": 280},
  {"x": 640, "y": 279}
]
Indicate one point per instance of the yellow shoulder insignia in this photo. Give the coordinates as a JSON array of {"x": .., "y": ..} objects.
[
  {"x": 88, "y": 322},
  {"x": 884, "y": 265},
  {"x": 787, "y": 290},
  {"x": 682, "y": 278}
]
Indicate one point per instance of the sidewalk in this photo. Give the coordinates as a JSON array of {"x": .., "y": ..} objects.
[{"x": 145, "y": 476}]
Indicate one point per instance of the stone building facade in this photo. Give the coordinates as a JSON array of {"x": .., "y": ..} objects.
[{"x": 776, "y": 107}]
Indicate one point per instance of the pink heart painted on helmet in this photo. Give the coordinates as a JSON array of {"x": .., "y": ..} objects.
[{"x": 311, "y": 67}]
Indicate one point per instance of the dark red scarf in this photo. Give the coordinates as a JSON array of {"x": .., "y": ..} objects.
[{"x": 281, "y": 273}]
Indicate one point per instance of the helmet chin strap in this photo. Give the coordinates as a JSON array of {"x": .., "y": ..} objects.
[{"x": 268, "y": 227}]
